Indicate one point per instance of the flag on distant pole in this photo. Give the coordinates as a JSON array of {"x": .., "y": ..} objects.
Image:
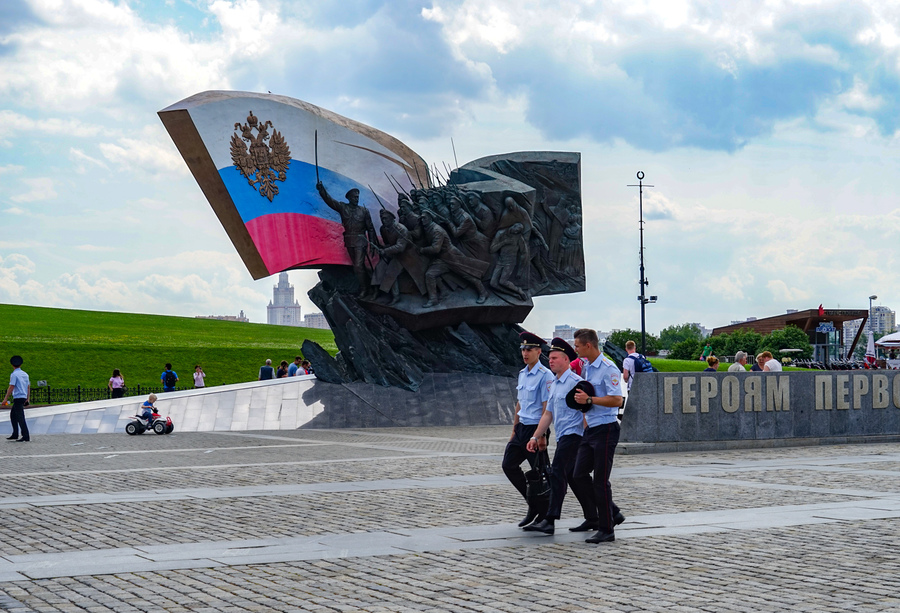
[{"x": 821, "y": 311}]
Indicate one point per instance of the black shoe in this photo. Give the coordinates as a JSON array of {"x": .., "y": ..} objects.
[
  {"x": 12, "y": 438},
  {"x": 532, "y": 515},
  {"x": 586, "y": 526},
  {"x": 601, "y": 537},
  {"x": 545, "y": 526},
  {"x": 23, "y": 440},
  {"x": 618, "y": 518}
]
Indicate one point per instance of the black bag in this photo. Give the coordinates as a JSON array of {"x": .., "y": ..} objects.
[
  {"x": 170, "y": 379},
  {"x": 537, "y": 492}
]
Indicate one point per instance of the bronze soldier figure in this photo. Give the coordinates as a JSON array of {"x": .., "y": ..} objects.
[
  {"x": 359, "y": 232},
  {"x": 448, "y": 259},
  {"x": 398, "y": 254}
]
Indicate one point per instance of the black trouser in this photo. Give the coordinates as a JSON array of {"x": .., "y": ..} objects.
[
  {"x": 516, "y": 453},
  {"x": 17, "y": 418},
  {"x": 598, "y": 446},
  {"x": 561, "y": 473},
  {"x": 118, "y": 392}
]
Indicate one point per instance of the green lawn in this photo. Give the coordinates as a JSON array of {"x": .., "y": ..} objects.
[
  {"x": 69, "y": 347},
  {"x": 666, "y": 365}
]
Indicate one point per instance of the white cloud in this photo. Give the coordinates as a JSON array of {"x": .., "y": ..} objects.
[
  {"x": 83, "y": 161},
  {"x": 192, "y": 283},
  {"x": 730, "y": 286},
  {"x": 783, "y": 293},
  {"x": 143, "y": 155},
  {"x": 39, "y": 189},
  {"x": 242, "y": 23},
  {"x": 90, "y": 54},
  {"x": 94, "y": 248},
  {"x": 17, "y": 125}
]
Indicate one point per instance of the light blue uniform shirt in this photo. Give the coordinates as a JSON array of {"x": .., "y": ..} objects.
[
  {"x": 565, "y": 420},
  {"x": 19, "y": 378},
  {"x": 604, "y": 375},
  {"x": 533, "y": 391}
]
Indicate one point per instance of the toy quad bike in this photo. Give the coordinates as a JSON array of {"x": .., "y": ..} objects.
[{"x": 157, "y": 423}]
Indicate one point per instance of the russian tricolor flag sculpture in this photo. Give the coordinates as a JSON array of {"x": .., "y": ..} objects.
[{"x": 257, "y": 158}]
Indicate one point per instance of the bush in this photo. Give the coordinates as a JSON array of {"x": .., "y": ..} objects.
[
  {"x": 689, "y": 349},
  {"x": 791, "y": 337}
]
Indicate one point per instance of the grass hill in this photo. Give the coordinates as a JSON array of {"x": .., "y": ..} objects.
[{"x": 70, "y": 347}]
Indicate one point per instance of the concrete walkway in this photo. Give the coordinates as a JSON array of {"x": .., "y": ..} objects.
[{"x": 423, "y": 519}]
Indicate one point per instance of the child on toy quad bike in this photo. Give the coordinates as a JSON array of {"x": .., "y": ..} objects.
[
  {"x": 147, "y": 409},
  {"x": 149, "y": 419}
]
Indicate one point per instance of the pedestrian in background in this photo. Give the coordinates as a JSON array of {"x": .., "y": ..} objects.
[
  {"x": 740, "y": 362},
  {"x": 712, "y": 364},
  {"x": 20, "y": 389},
  {"x": 770, "y": 364},
  {"x": 266, "y": 372},
  {"x": 294, "y": 368},
  {"x": 169, "y": 379},
  {"x": 116, "y": 384},
  {"x": 282, "y": 371},
  {"x": 760, "y": 362},
  {"x": 199, "y": 377}
]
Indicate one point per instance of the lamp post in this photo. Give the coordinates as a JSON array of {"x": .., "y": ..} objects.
[
  {"x": 871, "y": 298},
  {"x": 643, "y": 280}
]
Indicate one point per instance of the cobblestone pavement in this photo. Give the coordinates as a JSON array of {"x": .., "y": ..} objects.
[{"x": 424, "y": 520}]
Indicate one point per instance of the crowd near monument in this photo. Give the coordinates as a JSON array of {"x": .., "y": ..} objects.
[{"x": 423, "y": 268}]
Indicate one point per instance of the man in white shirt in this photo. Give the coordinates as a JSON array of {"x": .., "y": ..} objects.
[
  {"x": 740, "y": 362},
  {"x": 20, "y": 389}
]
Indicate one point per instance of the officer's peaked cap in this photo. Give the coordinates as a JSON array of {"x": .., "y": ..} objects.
[
  {"x": 352, "y": 192},
  {"x": 587, "y": 388},
  {"x": 558, "y": 344},
  {"x": 529, "y": 339}
]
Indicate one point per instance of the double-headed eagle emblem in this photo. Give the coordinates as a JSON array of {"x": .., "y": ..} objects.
[{"x": 265, "y": 162}]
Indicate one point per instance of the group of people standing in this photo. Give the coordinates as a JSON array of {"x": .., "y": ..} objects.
[
  {"x": 168, "y": 379},
  {"x": 296, "y": 368},
  {"x": 765, "y": 362},
  {"x": 583, "y": 411}
]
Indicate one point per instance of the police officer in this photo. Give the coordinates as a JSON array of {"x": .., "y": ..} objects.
[
  {"x": 598, "y": 445},
  {"x": 532, "y": 392},
  {"x": 569, "y": 426}
]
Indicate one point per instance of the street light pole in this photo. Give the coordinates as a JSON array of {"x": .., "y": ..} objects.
[
  {"x": 643, "y": 280},
  {"x": 871, "y": 298}
]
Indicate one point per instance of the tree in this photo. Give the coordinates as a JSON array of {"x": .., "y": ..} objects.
[
  {"x": 673, "y": 335},
  {"x": 620, "y": 337},
  {"x": 689, "y": 349},
  {"x": 744, "y": 340},
  {"x": 791, "y": 337},
  {"x": 860, "y": 352}
]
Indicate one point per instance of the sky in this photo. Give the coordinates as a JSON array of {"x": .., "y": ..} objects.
[{"x": 767, "y": 129}]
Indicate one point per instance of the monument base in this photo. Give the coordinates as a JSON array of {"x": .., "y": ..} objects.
[{"x": 376, "y": 348}]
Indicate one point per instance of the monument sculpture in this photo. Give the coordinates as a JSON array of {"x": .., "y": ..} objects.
[{"x": 438, "y": 283}]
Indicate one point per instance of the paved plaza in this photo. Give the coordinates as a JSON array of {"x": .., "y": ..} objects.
[{"x": 424, "y": 520}]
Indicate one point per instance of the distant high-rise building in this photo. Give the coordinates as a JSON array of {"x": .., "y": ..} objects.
[
  {"x": 883, "y": 320},
  {"x": 315, "y": 320},
  {"x": 283, "y": 310},
  {"x": 565, "y": 332},
  {"x": 240, "y": 317}
]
